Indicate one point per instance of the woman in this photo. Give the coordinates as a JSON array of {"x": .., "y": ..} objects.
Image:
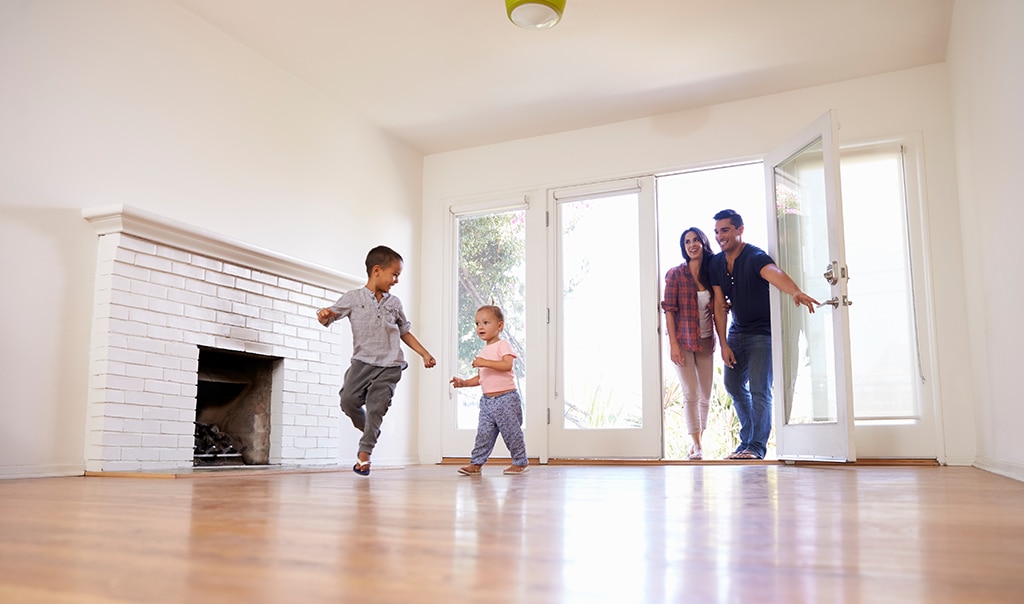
[{"x": 689, "y": 316}]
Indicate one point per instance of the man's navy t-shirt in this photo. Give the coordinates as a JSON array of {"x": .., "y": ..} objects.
[{"x": 745, "y": 289}]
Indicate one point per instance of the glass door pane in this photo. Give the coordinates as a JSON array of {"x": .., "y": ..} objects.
[
  {"x": 601, "y": 313},
  {"x": 490, "y": 268},
  {"x": 808, "y": 361},
  {"x": 885, "y": 362}
]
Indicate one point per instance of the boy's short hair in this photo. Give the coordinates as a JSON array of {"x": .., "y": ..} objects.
[
  {"x": 381, "y": 256},
  {"x": 493, "y": 310},
  {"x": 732, "y": 215}
]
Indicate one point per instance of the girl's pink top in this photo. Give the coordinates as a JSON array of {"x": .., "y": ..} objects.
[{"x": 492, "y": 380}]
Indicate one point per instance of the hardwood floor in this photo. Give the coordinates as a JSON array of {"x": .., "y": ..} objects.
[{"x": 682, "y": 533}]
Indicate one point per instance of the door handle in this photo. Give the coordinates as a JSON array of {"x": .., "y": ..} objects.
[
  {"x": 835, "y": 302},
  {"x": 830, "y": 273}
]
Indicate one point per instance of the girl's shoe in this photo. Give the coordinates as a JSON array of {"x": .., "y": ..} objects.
[
  {"x": 695, "y": 454},
  {"x": 470, "y": 470},
  {"x": 514, "y": 469},
  {"x": 362, "y": 467}
]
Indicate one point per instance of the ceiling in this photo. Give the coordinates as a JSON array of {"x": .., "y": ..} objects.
[{"x": 450, "y": 74}]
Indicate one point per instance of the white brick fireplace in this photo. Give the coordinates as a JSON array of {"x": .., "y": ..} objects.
[{"x": 163, "y": 290}]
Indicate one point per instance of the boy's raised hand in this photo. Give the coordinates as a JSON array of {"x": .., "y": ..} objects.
[{"x": 325, "y": 316}]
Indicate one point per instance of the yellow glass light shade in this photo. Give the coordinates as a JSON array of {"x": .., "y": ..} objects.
[{"x": 535, "y": 14}]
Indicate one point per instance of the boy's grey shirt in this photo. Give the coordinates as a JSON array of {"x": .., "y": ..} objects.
[{"x": 377, "y": 328}]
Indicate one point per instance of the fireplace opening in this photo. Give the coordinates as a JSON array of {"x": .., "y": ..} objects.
[{"x": 233, "y": 401}]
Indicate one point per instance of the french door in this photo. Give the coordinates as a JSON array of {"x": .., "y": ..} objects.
[
  {"x": 812, "y": 385},
  {"x": 489, "y": 267},
  {"x": 605, "y": 322},
  {"x": 602, "y": 395}
]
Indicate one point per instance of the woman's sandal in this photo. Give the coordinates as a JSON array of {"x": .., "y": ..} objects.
[{"x": 362, "y": 467}]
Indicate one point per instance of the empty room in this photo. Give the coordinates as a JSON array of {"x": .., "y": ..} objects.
[{"x": 510, "y": 300}]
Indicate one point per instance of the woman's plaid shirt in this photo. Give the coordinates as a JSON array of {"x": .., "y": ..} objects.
[{"x": 681, "y": 301}]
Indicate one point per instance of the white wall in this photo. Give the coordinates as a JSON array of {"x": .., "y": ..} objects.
[
  {"x": 913, "y": 101},
  {"x": 141, "y": 103},
  {"x": 986, "y": 66}
]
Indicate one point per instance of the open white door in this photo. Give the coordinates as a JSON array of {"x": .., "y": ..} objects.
[{"x": 811, "y": 352}]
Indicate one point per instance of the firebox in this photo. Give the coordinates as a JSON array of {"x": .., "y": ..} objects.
[{"x": 233, "y": 402}]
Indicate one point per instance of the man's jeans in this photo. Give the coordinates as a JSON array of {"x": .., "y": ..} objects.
[{"x": 749, "y": 384}]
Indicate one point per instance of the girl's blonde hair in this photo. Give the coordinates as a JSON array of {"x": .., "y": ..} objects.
[{"x": 494, "y": 310}]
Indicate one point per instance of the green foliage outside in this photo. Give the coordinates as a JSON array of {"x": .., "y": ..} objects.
[
  {"x": 491, "y": 270},
  {"x": 722, "y": 435},
  {"x": 600, "y": 409}
]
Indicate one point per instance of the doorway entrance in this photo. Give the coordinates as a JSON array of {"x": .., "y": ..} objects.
[
  {"x": 691, "y": 199},
  {"x": 893, "y": 411}
]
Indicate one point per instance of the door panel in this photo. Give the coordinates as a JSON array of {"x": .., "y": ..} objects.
[
  {"x": 892, "y": 367},
  {"x": 813, "y": 415},
  {"x": 490, "y": 268},
  {"x": 606, "y": 402}
]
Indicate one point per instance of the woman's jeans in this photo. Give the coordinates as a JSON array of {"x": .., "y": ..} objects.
[{"x": 749, "y": 383}]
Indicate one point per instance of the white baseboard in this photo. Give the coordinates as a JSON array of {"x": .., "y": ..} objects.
[
  {"x": 45, "y": 471},
  {"x": 1009, "y": 469},
  {"x": 959, "y": 460}
]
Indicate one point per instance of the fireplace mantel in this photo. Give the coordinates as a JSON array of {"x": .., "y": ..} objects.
[{"x": 159, "y": 229}]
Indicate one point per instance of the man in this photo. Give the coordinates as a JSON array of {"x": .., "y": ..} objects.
[{"x": 740, "y": 276}]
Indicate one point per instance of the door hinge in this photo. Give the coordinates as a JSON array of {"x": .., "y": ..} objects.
[
  {"x": 547, "y": 218},
  {"x": 549, "y": 316},
  {"x": 549, "y": 416}
]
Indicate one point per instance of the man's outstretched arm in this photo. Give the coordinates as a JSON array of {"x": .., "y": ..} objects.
[{"x": 778, "y": 277}]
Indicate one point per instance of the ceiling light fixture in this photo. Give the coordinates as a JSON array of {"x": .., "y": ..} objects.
[{"x": 535, "y": 14}]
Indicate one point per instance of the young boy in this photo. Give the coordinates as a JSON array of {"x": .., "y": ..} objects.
[{"x": 378, "y": 323}]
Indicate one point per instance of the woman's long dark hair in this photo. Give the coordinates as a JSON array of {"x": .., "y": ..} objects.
[{"x": 705, "y": 261}]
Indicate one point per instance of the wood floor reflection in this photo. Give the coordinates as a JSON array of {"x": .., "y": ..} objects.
[{"x": 759, "y": 533}]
